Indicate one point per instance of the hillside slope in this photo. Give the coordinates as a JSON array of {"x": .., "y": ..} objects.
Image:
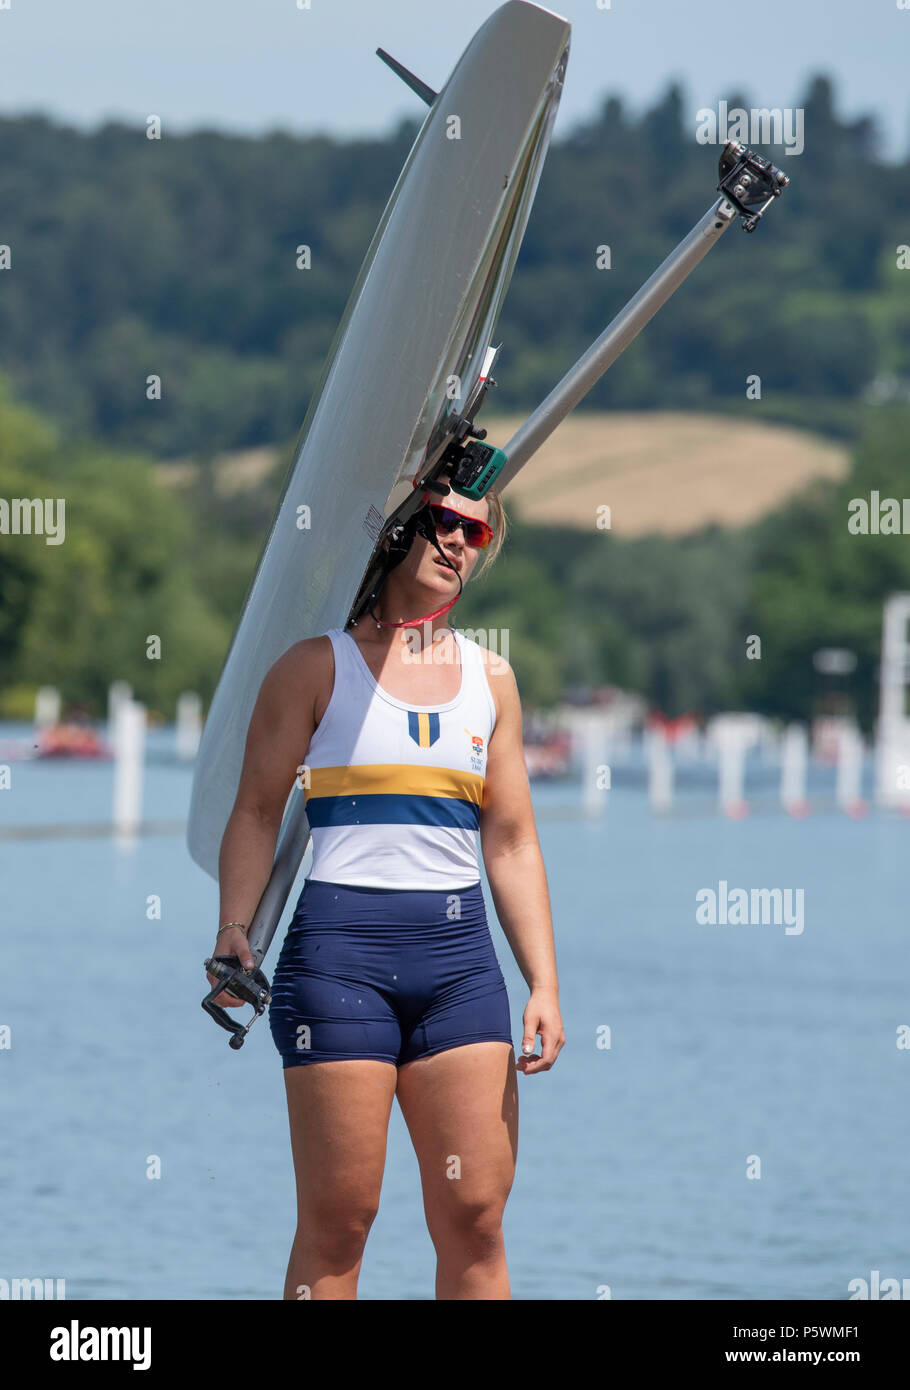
[{"x": 667, "y": 472}]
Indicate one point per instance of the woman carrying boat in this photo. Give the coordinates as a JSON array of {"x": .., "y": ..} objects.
[{"x": 388, "y": 983}]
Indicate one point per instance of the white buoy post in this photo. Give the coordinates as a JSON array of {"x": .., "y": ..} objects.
[
  {"x": 794, "y": 763},
  {"x": 595, "y": 771},
  {"x": 660, "y": 771},
  {"x": 189, "y": 725},
  {"x": 118, "y": 693},
  {"x": 129, "y": 765},
  {"x": 850, "y": 771},
  {"x": 731, "y": 775},
  {"x": 47, "y": 707},
  {"x": 893, "y": 733}
]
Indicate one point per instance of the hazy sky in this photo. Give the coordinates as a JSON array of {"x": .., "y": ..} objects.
[{"x": 249, "y": 65}]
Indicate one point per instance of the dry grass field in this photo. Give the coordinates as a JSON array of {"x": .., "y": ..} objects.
[
  {"x": 661, "y": 471},
  {"x": 664, "y": 472}
]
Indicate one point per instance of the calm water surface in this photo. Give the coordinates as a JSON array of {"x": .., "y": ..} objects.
[{"x": 725, "y": 1042}]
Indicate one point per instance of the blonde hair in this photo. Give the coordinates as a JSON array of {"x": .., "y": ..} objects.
[{"x": 497, "y": 518}]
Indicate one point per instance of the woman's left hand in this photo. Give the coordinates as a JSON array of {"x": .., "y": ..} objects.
[{"x": 541, "y": 1016}]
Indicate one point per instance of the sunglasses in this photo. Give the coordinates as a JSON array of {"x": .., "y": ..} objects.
[{"x": 476, "y": 532}]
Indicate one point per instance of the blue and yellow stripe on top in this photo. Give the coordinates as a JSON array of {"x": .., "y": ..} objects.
[
  {"x": 423, "y": 728},
  {"x": 395, "y": 794}
]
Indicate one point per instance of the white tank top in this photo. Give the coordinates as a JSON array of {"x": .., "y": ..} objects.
[{"x": 395, "y": 789}]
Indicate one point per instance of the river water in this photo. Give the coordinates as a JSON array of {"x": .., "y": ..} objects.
[{"x": 743, "y": 1134}]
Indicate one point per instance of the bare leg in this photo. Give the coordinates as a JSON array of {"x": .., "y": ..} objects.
[
  {"x": 461, "y": 1109},
  {"x": 339, "y": 1118}
]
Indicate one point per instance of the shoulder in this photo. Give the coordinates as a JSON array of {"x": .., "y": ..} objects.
[
  {"x": 501, "y": 679},
  {"x": 303, "y": 658},
  {"x": 304, "y": 670}
]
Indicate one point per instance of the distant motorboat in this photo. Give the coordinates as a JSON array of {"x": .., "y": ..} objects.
[
  {"x": 674, "y": 730},
  {"x": 549, "y": 756},
  {"x": 71, "y": 740}
]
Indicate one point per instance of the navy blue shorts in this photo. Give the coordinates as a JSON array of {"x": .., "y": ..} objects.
[{"x": 386, "y": 973}]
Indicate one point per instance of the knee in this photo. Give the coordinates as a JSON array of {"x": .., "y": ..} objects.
[
  {"x": 338, "y": 1231},
  {"x": 475, "y": 1221}
]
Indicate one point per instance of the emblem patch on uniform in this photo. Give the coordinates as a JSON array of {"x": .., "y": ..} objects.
[
  {"x": 477, "y": 753},
  {"x": 423, "y": 728},
  {"x": 476, "y": 742}
]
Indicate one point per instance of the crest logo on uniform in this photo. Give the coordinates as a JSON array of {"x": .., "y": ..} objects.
[
  {"x": 423, "y": 728},
  {"x": 476, "y": 743}
]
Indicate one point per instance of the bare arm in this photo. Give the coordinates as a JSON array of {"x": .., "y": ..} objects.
[
  {"x": 279, "y": 736},
  {"x": 515, "y": 869}
]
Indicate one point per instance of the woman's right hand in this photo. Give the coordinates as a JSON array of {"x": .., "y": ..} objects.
[{"x": 232, "y": 942}]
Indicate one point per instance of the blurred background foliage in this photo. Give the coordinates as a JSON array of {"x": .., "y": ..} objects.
[{"x": 133, "y": 257}]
